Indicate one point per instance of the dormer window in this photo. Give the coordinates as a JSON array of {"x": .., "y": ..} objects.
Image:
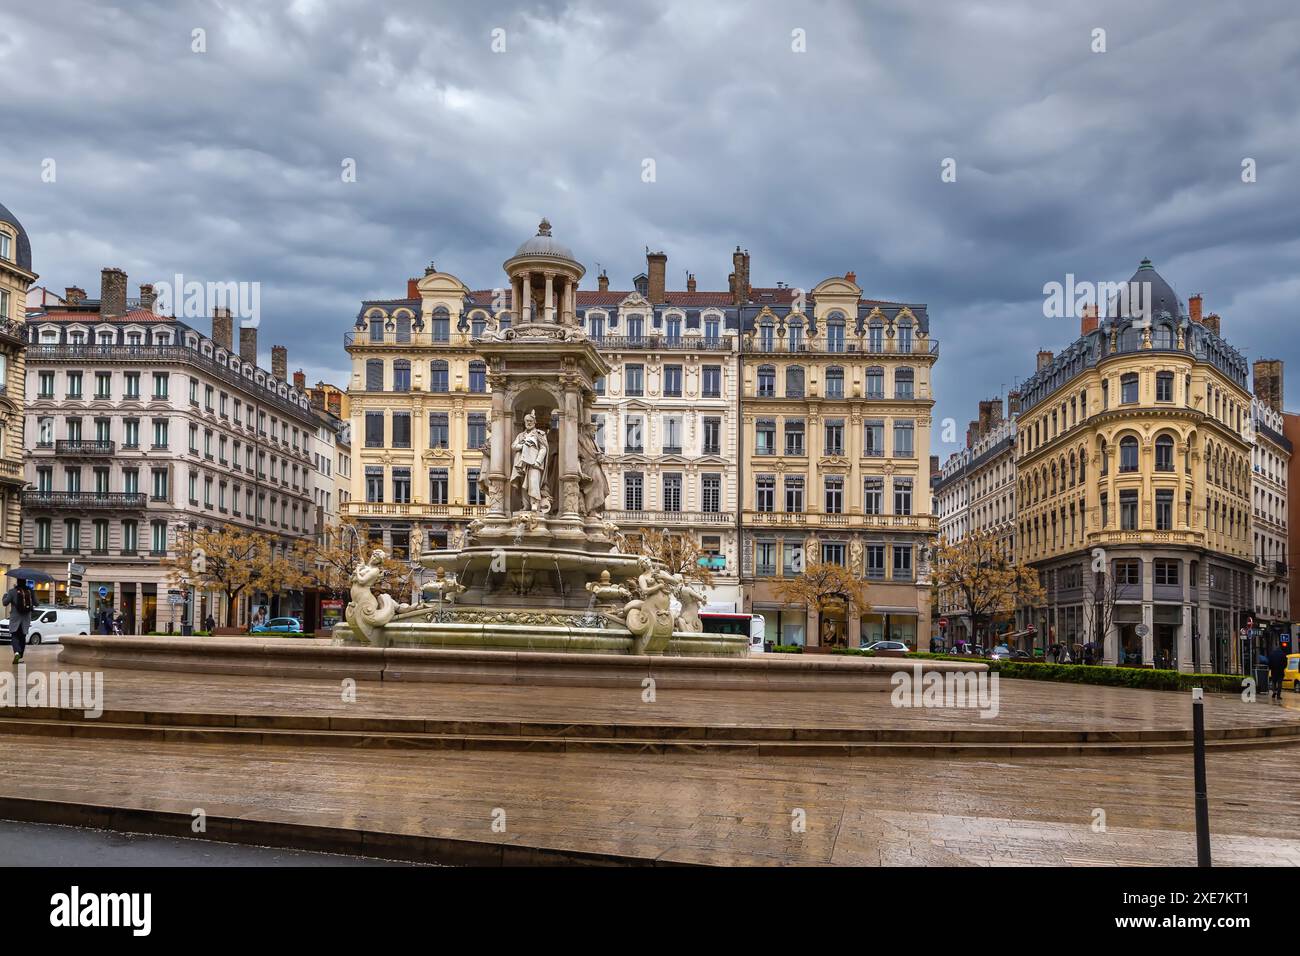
[{"x": 6, "y": 246}]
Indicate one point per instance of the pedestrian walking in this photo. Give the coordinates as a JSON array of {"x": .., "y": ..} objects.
[
  {"x": 118, "y": 621},
  {"x": 1276, "y": 668},
  {"x": 20, "y": 600},
  {"x": 209, "y": 624}
]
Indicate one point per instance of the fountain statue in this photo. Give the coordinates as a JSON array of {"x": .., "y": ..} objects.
[
  {"x": 368, "y": 614},
  {"x": 539, "y": 565}
]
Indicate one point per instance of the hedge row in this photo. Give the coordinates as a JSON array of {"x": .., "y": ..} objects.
[{"x": 1142, "y": 677}]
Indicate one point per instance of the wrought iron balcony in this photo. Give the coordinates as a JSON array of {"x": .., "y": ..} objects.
[
  {"x": 653, "y": 519},
  {"x": 83, "y": 500},
  {"x": 90, "y": 447},
  {"x": 662, "y": 343}
]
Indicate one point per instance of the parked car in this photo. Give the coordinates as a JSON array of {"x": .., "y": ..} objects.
[
  {"x": 1001, "y": 653},
  {"x": 1019, "y": 655},
  {"x": 50, "y": 624},
  {"x": 888, "y": 648},
  {"x": 279, "y": 625}
]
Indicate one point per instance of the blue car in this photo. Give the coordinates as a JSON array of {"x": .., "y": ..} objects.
[{"x": 278, "y": 625}]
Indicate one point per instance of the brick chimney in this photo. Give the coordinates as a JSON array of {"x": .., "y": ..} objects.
[
  {"x": 112, "y": 293},
  {"x": 934, "y": 464},
  {"x": 1090, "y": 320},
  {"x": 74, "y": 295},
  {"x": 248, "y": 345},
  {"x": 1044, "y": 358},
  {"x": 602, "y": 281},
  {"x": 656, "y": 269},
  {"x": 739, "y": 279},
  {"x": 280, "y": 362},
  {"x": 147, "y": 296},
  {"x": 690, "y": 282},
  {"x": 852, "y": 277},
  {"x": 1268, "y": 382},
  {"x": 335, "y": 402},
  {"x": 223, "y": 328},
  {"x": 1211, "y": 322},
  {"x": 1194, "y": 308},
  {"x": 1013, "y": 403},
  {"x": 300, "y": 380}
]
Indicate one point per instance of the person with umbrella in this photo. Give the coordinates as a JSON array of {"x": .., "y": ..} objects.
[{"x": 21, "y": 601}]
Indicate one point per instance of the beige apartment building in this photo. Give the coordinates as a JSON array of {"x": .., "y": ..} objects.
[
  {"x": 16, "y": 277},
  {"x": 1270, "y": 462},
  {"x": 835, "y": 418}
]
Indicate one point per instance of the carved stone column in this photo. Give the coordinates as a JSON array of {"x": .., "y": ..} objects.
[
  {"x": 570, "y": 469},
  {"x": 550, "y": 297}
]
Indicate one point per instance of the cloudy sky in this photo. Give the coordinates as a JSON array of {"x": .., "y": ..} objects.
[{"x": 813, "y": 134}]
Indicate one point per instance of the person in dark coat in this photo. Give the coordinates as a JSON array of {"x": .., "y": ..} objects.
[
  {"x": 1276, "y": 667},
  {"x": 20, "y": 601}
]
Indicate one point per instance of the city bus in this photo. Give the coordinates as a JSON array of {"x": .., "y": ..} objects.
[{"x": 726, "y": 622}]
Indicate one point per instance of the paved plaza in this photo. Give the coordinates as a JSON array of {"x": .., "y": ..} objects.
[{"x": 707, "y": 807}]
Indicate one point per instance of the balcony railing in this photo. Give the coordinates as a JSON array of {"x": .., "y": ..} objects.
[
  {"x": 392, "y": 509},
  {"x": 663, "y": 343},
  {"x": 651, "y": 519},
  {"x": 85, "y": 446},
  {"x": 11, "y": 469},
  {"x": 920, "y": 346},
  {"x": 82, "y": 499},
  {"x": 801, "y": 519},
  {"x": 178, "y": 354}
]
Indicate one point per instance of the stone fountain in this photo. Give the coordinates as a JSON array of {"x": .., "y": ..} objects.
[{"x": 542, "y": 570}]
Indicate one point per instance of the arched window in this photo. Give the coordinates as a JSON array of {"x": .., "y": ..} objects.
[
  {"x": 905, "y": 336},
  {"x": 403, "y": 326},
  {"x": 438, "y": 377},
  {"x": 794, "y": 382},
  {"x": 477, "y": 325},
  {"x": 875, "y": 382},
  {"x": 376, "y": 328},
  {"x": 875, "y": 337},
  {"x": 441, "y": 325},
  {"x": 835, "y": 382},
  {"x": 835, "y": 332},
  {"x": 795, "y": 333},
  {"x": 1128, "y": 454},
  {"x": 1162, "y": 337},
  {"x": 1164, "y": 453},
  {"x": 766, "y": 336},
  {"x": 402, "y": 375}
]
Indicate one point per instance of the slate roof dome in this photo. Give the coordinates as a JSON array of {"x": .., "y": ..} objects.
[
  {"x": 544, "y": 244},
  {"x": 1162, "y": 296},
  {"x": 22, "y": 245}
]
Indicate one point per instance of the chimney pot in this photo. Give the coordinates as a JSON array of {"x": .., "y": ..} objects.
[
  {"x": 147, "y": 296},
  {"x": 112, "y": 293},
  {"x": 280, "y": 362},
  {"x": 851, "y": 276},
  {"x": 74, "y": 294},
  {"x": 300, "y": 380},
  {"x": 656, "y": 272},
  {"x": 223, "y": 328},
  {"x": 690, "y": 282},
  {"x": 1194, "y": 308},
  {"x": 1044, "y": 358},
  {"x": 1090, "y": 319},
  {"x": 1211, "y": 322},
  {"x": 602, "y": 281},
  {"x": 412, "y": 288},
  {"x": 248, "y": 345}
]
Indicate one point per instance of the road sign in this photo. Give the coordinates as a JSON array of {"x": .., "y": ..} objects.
[
  {"x": 74, "y": 568},
  {"x": 103, "y": 591},
  {"x": 175, "y": 598},
  {"x": 199, "y": 561},
  {"x": 76, "y": 592}
]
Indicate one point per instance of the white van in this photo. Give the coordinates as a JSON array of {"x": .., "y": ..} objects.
[{"x": 49, "y": 624}]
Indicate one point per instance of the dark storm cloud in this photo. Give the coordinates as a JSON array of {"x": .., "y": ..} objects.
[{"x": 226, "y": 165}]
